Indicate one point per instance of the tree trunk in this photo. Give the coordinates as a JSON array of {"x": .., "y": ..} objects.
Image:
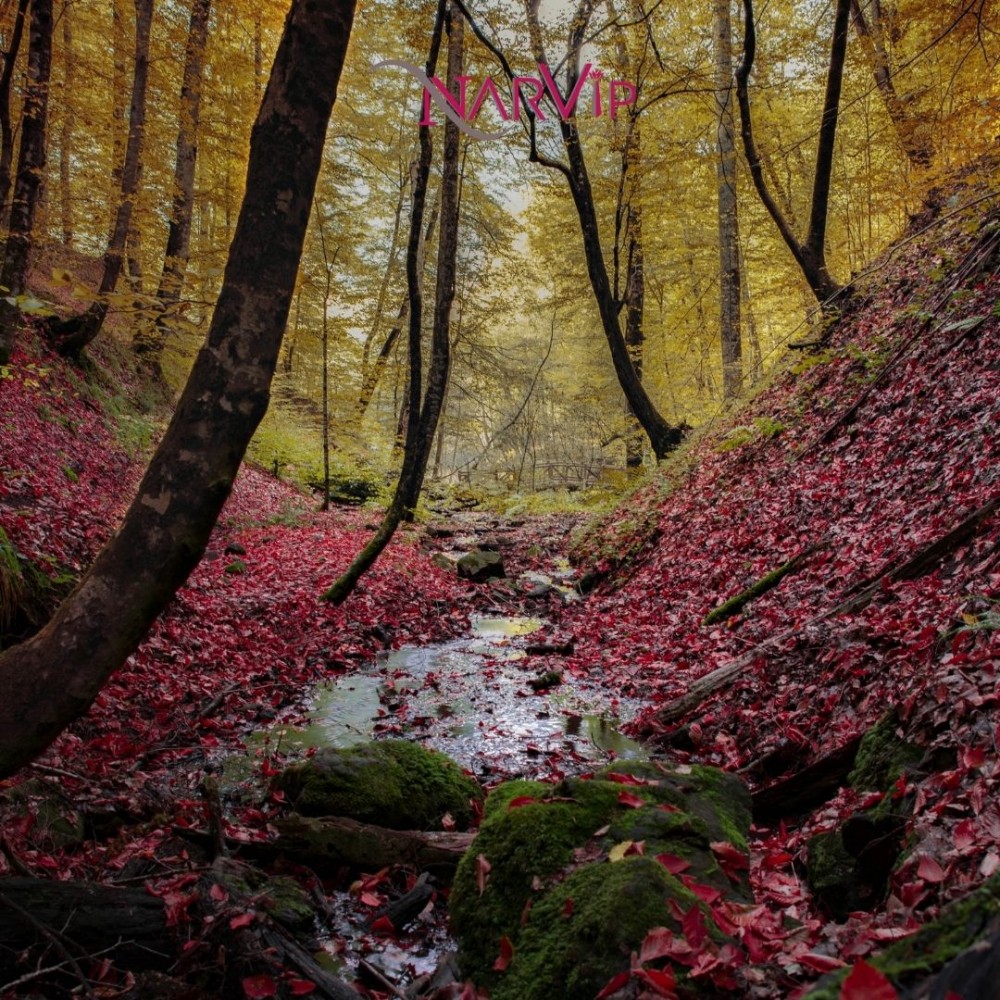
[
  {"x": 918, "y": 148},
  {"x": 6, "y": 127},
  {"x": 662, "y": 436},
  {"x": 810, "y": 253},
  {"x": 30, "y": 171},
  {"x": 66, "y": 132},
  {"x": 729, "y": 239},
  {"x": 148, "y": 340},
  {"x": 422, "y": 414},
  {"x": 51, "y": 679},
  {"x": 72, "y": 335}
]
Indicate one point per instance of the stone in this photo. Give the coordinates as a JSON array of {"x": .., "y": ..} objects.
[
  {"x": 391, "y": 783},
  {"x": 478, "y": 566}
]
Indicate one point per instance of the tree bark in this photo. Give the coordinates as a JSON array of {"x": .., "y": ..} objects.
[
  {"x": 919, "y": 150},
  {"x": 30, "y": 171},
  {"x": 66, "y": 132},
  {"x": 422, "y": 408},
  {"x": 662, "y": 436},
  {"x": 149, "y": 338},
  {"x": 6, "y": 127},
  {"x": 729, "y": 237},
  {"x": 72, "y": 335},
  {"x": 52, "y": 679},
  {"x": 810, "y": 253}
]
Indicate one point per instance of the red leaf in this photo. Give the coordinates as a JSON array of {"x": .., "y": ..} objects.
[
  {"x": 523, "y": 800},
  {"x": 662, "y": 981},
  {"x": 659, "y": 942},
  {"x": 568, "y": 908},
  {"x": 383, "y": 925},
  {"x": 613, "y": 985},
  {"x": 301, "y": 987},
  {"x": 218, "y": 893},
  {"x": 727, "y": 854},
  {"x": 820, "y": 963},
  {"x": 632, "y": 801},
  {"x": 929, "y": 870},
  {"x": 448, "y": 822},
  {"x": 964, "y": 835},
  {"x": 506, "y": 954},
  {"x": 673, "y": 864},
  {"x": 483, "y": 868},
  {"x": 260, "y": 987},
  {"x": 973, "y": 756},
  {"x": 626, "y": 779},
  {"x": 865, "y": 982},
  {"x": 243, "y": 920},
  {"x": 694, "y": 927},
  {"x": 370, "y": 899}
]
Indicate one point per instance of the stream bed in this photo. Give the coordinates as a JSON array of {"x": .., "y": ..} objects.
[{"x": 473, "y": 698}]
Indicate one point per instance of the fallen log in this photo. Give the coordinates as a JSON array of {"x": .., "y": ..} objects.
[
  {"x": 808, "y": 787},
  {"x": 322, "y": 840}
]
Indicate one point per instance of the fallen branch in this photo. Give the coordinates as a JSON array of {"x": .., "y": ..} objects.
[{"x": 758, "y": 588}]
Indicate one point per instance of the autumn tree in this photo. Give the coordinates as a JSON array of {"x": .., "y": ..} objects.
[
  {"x": 52, "y": 678},
  {"x": 810, "y": 252}
]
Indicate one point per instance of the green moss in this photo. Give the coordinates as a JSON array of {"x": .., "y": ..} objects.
[
  {"x": 739, "y": 601},
  {"x": 831, "y": 874},
  {"x": 236, "y": 567},
  {"x": 613, "y": 908},
  {"x": 531, "y": 848},
  {"x": 882, "y": 757},
  {"x": 390, "y": 783},
  {"x": 960, "y": 925}
]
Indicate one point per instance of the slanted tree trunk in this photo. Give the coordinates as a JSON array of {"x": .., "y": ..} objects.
[
  {"x": 149, "y": 338},
  {"x": 72, "y": 335},
  {"x": 810, "y": 253},
  {"x": 662, "y": 436},
  {"x": 917, "y": 146},
  {"x": 6, "y": 127},
  {"x": 30, "y": 171},
  {"x": 52, "y": 678},
  {"x": 423, "y": 409},
  {"x": 729, "y": 235}
]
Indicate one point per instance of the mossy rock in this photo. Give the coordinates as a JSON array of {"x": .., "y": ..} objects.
[
  {"x": 480, "y": 565},
  {"x": 882, "y": 757},
  {"x": 575, "y": 954},
  {"x": 544, "y": 843},
  {"x": 957, "y": 952},
  {"x": 280, "y": 896},
  {"x": 391, "y": 783},
  {"x": 830, "y": 872}
]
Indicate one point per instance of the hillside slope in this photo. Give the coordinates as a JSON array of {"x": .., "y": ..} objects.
[{"x": 874, "y": 464}]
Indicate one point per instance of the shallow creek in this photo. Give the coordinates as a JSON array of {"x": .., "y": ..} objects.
[{"x": 472, "y": 699}]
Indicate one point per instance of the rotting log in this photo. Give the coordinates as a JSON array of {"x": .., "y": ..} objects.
[
  {"x": 322, "y": 840},
  {"x": 808, "y": 787},
  {"x": 128, "y": 926}
]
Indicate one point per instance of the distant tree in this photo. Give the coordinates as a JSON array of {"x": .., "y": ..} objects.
[
  {"x": 72, "y": 335},
  {"x": 149, "y": 337},
  {"x": 729, "y": 233},
  {"x": 6, "y": 80},
  {"x": 52, "y": 678},
  {"x": 30, "y": 171},
  {"x": 810, "y": 252}
]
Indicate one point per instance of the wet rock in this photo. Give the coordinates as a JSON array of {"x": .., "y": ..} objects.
[
  {"x": 391, "y": 783},
  {"x": 479, "y": 565},
  {"x": 235, "y": 549},
  {"x": 548, "y": 845},
  {"x": 550, "y": 679}
]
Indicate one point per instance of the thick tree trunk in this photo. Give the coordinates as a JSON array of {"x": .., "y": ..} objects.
[
  {"x": 71, "y": 336},
  {"x": 729, "y": 238},
  {"x": 6, "y": 127},
  {"x": 30, "y": 171},
  {"x": 149, "y": 339},
  {"x": 810, "y": 253},
  {"x": 51, "y": 679}
]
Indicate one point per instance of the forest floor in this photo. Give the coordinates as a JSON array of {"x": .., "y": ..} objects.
[{"x": 872, "y": 462}]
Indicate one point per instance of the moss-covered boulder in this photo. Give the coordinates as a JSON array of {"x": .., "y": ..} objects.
[
  {"x": 883, "y": 756},
  {"x": 593, "y": 842},
  {"x": 391, "y": 783},
  {"x": 955, "y": 955}
]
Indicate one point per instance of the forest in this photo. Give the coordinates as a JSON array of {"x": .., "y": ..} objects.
[{"x": 499, "y": 500}]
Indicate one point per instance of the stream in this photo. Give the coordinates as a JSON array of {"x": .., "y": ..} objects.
[{"x": 472, "y": 698}]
